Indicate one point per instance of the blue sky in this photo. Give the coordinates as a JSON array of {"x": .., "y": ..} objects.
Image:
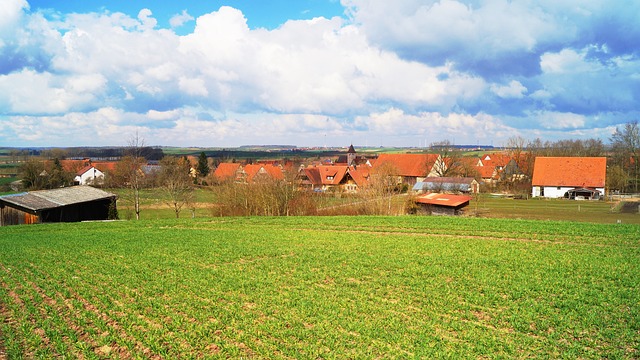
[
  {"x": 259, "y": 14},
  {"x": 316, "y": 72}
]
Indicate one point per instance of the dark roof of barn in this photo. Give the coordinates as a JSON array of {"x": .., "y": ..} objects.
[{"x": 49, "y": 199}]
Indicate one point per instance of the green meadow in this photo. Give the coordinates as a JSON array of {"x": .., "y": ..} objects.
[{"x": 320, "y": 287}]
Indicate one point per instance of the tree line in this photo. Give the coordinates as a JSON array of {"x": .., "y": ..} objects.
[{"x": 176, "y": 177}]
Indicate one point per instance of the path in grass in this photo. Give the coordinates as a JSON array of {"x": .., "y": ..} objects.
[{"x": 326, "y": 287}]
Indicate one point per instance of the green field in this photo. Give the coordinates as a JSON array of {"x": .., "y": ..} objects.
[{"x": 321, "y": 287}]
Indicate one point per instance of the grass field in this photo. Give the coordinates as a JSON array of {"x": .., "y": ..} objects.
[
  {"x": 321, "y": 287},
  {"x": 487, "y": 206}
]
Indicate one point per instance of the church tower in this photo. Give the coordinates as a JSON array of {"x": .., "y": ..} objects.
[{"x": 351, "y": 156}]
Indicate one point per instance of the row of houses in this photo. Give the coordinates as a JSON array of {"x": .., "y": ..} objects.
[
  {"x": 556, "y": 177},
  {"x": 572, "y": 177}
]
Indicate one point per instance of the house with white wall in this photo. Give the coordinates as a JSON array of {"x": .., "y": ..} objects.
[
  {"x": 558, "y": 177},
  {"x": 89, "y": 175}
]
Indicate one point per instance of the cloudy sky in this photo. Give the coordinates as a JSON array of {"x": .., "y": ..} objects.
[{"x": 316, "y": 72}]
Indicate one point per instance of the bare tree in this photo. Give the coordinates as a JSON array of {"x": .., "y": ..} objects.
[
  {"x": 625, "y": 145},
  {"x": 175, "y": 181},
  {"x": 451, "y": 164},
  {"x": 382, "y": 185},
  {"x": 131, "y": 170}
]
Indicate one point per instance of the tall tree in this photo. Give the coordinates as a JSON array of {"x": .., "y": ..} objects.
[
  {"x": 175, "y": 181},
  {"x": 625, "y": 145},
  {"x": 57, "y": 176},
  {"x": 33, "y": 175},
  {"x": 203, "y": 165},
  {"x": 132, "y": 169}
]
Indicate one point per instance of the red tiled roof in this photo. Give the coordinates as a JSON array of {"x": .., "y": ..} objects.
[
  {"x": 443, "y": 199},
  {"x": 335, "y": 174},
  {"x": 495, "y": 160},
  {"x": 74, "y": 165},
  {"x": 409, "y": 164},
  {"x": 253, "y": 170},
  {"x": 84, "y": 170},
  {"x": 105, "y": 166},
  {"x": 486, "y": 172},
  {"x": 570, "y": 171},
  {"x": 226, "y": 170}
]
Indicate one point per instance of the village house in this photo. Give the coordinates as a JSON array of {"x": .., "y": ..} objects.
[
  {"x": 338, "y": 178},
  {"x": 70, "y": 204},
  {"x": 248, "y": 173},
  {"x": 569, "y": 177},
  {"x": 411, "y": 168},
  {"x": 89, "y": 175}
]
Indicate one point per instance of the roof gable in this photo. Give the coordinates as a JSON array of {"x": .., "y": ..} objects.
[
  {"x": 570, "y": 171},
  {"x": 226, "y": 170},
  {"x": 411, "y": 165}
]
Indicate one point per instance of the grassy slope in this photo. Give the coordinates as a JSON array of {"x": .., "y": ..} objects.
[{"x": 337, "y": 287}]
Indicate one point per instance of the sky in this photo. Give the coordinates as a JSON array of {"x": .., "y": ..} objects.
[{"x": 316, "y": 72}]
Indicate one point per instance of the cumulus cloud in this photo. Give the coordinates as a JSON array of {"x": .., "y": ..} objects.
[
  {"x": 469, "y": 70},
  {"x": 178, "y": 20},
  {"x": 512, "y": 90}
]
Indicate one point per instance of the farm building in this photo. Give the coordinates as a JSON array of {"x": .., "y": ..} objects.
[
  {"x": 76, "y": 203},
  {"x": 89, "y": 175},
  {"x": 569, "y": 177},
  {"x": 447, "y": 184},
  {"x": 442, "y": 204}
]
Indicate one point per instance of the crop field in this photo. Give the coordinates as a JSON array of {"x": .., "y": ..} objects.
[{"x": 320, "y": 287}]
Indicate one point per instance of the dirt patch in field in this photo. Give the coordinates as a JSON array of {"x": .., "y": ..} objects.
[
  {"x": 630, "y": 207},
  {"x": 3, "y": 349}
]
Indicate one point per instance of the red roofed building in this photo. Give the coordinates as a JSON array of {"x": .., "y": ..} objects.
[
  {"x": 556, "y": 177},
  {"x": 334, "y": 177},
  {"x": 412, "y": 167},
  {"x": 247, "y": 173},
  {"x": 228, "y": 171},
  {"x": 89, "y": 175},
  {"x": 442, "y": 204},
  {"x": 253, "y": 173}
]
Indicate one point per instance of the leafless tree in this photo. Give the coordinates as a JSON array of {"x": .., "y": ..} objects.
[
  {"x": 383, "y": 183},
  {"x": 625, "y": 146},
  {"x": 175, "y": 181},
  {"x": 129, "y": 170},
  {"x": 451, "y": 164}
]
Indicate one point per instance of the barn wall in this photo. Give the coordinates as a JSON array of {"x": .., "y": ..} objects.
[
  {"x": 12, "y": 216},
  {"x": 94, "y": 210}
]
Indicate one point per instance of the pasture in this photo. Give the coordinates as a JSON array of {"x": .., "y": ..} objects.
[{"x": 321, "y": 287}]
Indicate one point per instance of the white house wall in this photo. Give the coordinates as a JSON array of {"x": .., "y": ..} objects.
[
  {"x": 88, "y": 177},
  {"x": 554, "y": 191}
]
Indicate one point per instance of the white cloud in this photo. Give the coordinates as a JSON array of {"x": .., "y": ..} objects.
[
  {"x": 513, "y": 90},
  {"x": 556, "y": 120},
  {"x": 30, "y": 92},
  {"x": 178, "y": 20},
  {"x": 147, "y": 22},
  {"x": 11, "y": 13},
  {"x": 394, "y": 71}
]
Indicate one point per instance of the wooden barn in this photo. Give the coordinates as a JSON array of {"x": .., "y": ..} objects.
[
  {"x": 71, "y": 204},
  {"x": 442, "y": 204}
]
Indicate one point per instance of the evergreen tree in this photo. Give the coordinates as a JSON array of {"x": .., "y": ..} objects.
[{"x": 203, "y": 165}]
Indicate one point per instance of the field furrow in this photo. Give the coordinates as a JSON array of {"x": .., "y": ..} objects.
[{"x": 328, "y": 287}]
